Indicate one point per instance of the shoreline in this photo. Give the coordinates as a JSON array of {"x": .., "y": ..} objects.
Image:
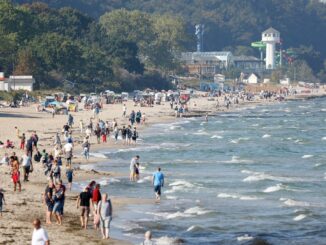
[{"x": 30, "y": 197}]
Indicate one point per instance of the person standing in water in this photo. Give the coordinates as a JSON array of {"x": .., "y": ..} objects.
[
  {"x": 133, "y": 167},
  {"x": 158, "y": 183}
]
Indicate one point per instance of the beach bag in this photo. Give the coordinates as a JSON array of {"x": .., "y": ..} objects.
[
  {"x": 37, "y": 157},
  {"x": 96, "y": 220}
]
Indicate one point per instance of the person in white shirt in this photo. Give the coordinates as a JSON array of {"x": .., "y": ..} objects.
[
  {"x": 68, "y": 151},
  {"x": 26, "y": 161},
  {"x": 40, "y": 236}
]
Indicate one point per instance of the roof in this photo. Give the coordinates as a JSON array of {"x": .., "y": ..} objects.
[
  {"x": 245, "y": 58},
  {"x": 223, "y": 55},
  {"x": 21, "y": 79},
  {"x": 271, "y": 30}
]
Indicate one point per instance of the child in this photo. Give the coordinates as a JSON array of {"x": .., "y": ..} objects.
[
  {"x": 104, "y": 137},
  {"x": 2, "y": 201},
  {"x": 69, "y": 174},
  {"x": 22, "y": 141}
]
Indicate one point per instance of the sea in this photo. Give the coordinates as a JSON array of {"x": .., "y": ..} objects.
[{"x": 254, "y": 175}]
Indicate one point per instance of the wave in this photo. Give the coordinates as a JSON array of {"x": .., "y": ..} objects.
[
  {"x": 194, "y": 228},
  {"x": 274, "y": 188},
  {"x": 188, "y": 213},
  {"x": 299, "y": 217},
  {"x": 237, "y": 196},
  {"x": 165, "y": 240},
  {"x": 307, "y": 156},
  {"x": 259, "y": 176},
  {"x": 217, "y": 137},
  {"x": 98, "y": 155},
  {"x": 324, "y": 138},
  {"x": 171, "y": 197},
  {"x": 182, "y": 186},
  {"x": 145, "y": 179},
  {"x": 236, "y": 159},
  {"x": 294, "y": 203},
  {"x": 197, "y": 211},
  {"x": 245, "y": 237},
  {"x": 266, "y": 136},
  {"x": 241, "y": 139}
]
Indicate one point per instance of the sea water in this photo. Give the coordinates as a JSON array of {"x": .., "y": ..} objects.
[{"x": 257, "y": 173}]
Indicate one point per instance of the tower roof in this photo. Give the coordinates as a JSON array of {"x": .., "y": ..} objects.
[{"x": 271, "y": 30}]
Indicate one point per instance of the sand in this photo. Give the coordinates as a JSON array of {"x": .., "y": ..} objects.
[{"x": 21, "y": 208}]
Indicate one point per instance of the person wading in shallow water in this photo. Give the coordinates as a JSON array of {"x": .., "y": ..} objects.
[{"x": 158, "y": 182}]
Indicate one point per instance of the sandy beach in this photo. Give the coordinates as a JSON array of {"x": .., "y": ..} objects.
[{"x": 21, "y": 208}]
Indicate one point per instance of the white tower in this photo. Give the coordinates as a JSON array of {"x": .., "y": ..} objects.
[{"x": 270, "y": 37}]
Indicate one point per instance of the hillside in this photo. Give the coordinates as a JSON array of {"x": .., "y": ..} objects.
[{"x": 232, "y": 23}]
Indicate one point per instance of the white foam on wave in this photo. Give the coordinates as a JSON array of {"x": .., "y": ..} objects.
[
  {"x": 324, "y": 138},
  {"x": 197, "y": 211},
  {"x": 237, "y": 196},
  {"x": 266, "y": 136},
  {"x": 145, "y": 179},
  {"x": 165, "y": 240},
  {"x": 245, "y": 237},
  {"x": 194, "y": 228},
  {"x": 237, "y": 141},
  {"x": 259, "y": 176},
  {"x": 299, "y": 217},
  {"x": 274, "y": 188},
  {"x": 307, "y": 156},
  {"x": 98, "y": 155},
  {"x": 181, "y": 185},
  {"x": 188, "y": 213},
  {"x": 236, "y": 159},
  {"x": 294, "y": 203},
  {"x": 171, "y": 197},
  {"x": 217, "y": 137}
]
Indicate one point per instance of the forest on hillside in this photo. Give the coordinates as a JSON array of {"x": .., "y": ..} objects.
[
  {"x": 65, "y": 48},
  {"x": 124, "y": 44}
]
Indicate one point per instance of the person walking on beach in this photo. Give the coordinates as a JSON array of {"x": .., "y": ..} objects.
[
  {"x": 69, "y": 175},
  {"x": 96, "y": 197},
  {"x": 86, "y": 146},
  {"x": 68, "y": 148},
  {"x": 83, "y": 201},
  {"x": 2, "y": 201},
  {"x": 124, "y": 110},
  {"x": 104, "y": 211},
  {"x": 48, "y": 200},
  {"x": 15, "y": 176},
  {"x": 81, "y": 126},
  {"x": 70, "y": 120},
  {"x": 22, "y": 141},
  {"x": 133, "y": 167},
  {"x": 59, "y": 201},
  {"x": 26, "y": 161},
  {"x": 158, "y": 182},
  {"x": 134, "y": 136},
  {"x": 40, "y": 235}
]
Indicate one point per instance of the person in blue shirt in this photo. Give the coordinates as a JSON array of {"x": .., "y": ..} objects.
[{"x": 158, "y": 182}]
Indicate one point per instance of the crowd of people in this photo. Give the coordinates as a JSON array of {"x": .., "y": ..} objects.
[{"x": 91, "y": 201}]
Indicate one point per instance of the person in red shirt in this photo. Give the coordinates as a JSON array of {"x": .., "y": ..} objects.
[{"x": 96, "y": 197}]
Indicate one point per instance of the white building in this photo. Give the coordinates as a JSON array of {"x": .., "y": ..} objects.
[
  {"x": 253, "y": 78},
  {"x": 16, "y": 83},
  {"x": 223, "y": 59},
  {"x": 271, "y": 37}
]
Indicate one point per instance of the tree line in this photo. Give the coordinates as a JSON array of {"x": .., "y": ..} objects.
[
  {"x": 234, "y": 24},
  {"x": 67, "y": 49}
]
